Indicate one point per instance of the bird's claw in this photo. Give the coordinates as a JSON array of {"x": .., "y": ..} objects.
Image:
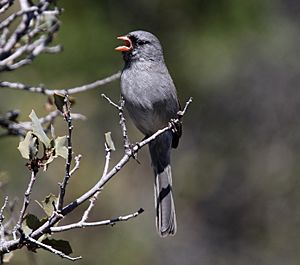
[
  {"x": 174, "y": 125},
  {"x": 133, "y": 152}
]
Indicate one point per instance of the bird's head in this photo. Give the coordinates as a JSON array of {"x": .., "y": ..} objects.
[{"x": 140, "y": 45}]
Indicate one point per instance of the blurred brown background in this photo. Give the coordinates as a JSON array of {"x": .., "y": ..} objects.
[{"x": 236, "y": 171}]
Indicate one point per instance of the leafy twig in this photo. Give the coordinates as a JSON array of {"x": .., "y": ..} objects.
[{"x": 20, "y": 128}]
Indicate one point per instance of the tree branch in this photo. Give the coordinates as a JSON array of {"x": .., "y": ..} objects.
[
  {"x": 51, "y": 249},
  {"x": 31, "y": 36},
  {"x": 26, "y": 199},
  {"x": 69, "y": 91},
  {"x": 120, "y": 108},
  {"x": 63, "y": 185},
  {"x": 83, "y": 224},
  {"x": 2, "y": 230},
  {"x": 13, "y": 127}
]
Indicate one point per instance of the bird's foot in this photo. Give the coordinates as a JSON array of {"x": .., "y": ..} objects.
[
  {"x": 175, "y": 126},
  {"x": 133, "y": 152}
]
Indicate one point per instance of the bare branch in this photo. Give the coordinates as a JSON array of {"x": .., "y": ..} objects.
[
  {"x": 110, "y": 101},
  {"x": 77, "y": 164},
  {"x": 5, "y": 4},
  {"x": 95, "y": 196},
  {"x": 69, "y": 91},
  {"x": 30, "y": 37},
  {"x": 63, "y": 185},
  {"x": 2, "y": 209},
  {"x": 182, "y": 112},
  {"x": 12, "y": 17},
  {"x": 51, "y": 249},
  {"x": 2, "y": 230},
  {"x": 26, "y": 199},
  {"x": 120, "y": 108},
  {"x": 99, "y": 223}
]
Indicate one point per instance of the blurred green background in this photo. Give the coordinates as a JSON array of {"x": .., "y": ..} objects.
[{"x": 236, "y": 171}]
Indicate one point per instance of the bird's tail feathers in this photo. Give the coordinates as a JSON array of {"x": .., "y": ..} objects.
[
  {"x": 160, "y": 150},
  {"x": 164, "y": 203}
]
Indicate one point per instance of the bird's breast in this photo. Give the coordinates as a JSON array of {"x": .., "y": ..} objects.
[{"x": 150, "y": 98}]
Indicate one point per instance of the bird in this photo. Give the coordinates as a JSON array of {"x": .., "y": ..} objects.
[{"x": 151, "y": 100}]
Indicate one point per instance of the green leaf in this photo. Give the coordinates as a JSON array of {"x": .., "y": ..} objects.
[
  {"x": 47, "y": 204},
  {"x": 61, "y": 245},
  {"x": 28, "y": 147},
  {"x": 38, "y": 129},
  {"x": 32, "y": 221},
  {"x": 109, "y": 141},
  {"x": 59, "y": 101},
  {"x": 60, "y": 147}
]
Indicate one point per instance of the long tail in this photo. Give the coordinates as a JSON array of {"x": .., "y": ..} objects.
[{"x": 160, "y": 150}]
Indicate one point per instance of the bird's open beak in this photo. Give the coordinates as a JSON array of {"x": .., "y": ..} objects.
[{"x": 127, "y": 44}]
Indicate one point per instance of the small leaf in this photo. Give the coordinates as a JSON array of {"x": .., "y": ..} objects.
[
  {"x": 7, "y": 257},
  {"x": 28, "y": 147},
  {"x": 47, "y": 204},
  {"x": 61, "y": 245},
  {"x": 60, "y": 147},
  {"x": 38, "y": 129},
  {"x": 59, "y": 101},
  {"x": 32, "y": 221},
  {"x": 109, "y": 141}
]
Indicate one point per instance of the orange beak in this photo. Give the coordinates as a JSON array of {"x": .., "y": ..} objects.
[{"x": 127, "y": 44}]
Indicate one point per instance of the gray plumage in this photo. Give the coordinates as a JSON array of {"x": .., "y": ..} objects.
[{"x": 151, "y": 100}]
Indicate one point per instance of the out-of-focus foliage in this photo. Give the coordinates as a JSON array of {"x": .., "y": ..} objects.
[{"x": 236, "y": 171}]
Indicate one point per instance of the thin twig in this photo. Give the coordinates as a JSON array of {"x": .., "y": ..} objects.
[
  {"x": 20, "y": 128},
  {"x": 26, "y": 199},
  {"x": 63, "y": 185},
  {"x": 99, "y": 223},
  {"x": 29, "y": 38},
  {"x": 77, "y": 164},
  {"x": 69, "y": 91},
  {"x": 2, "y": 227},
  {"x": 51, "y": 249},
  {"x": 110, "y": 101},
  {"x": 182, "y": 112},
  {"x": 120, "y": 108},
  {"x": 123, "y": 125},
  {"x": 5, "y": 4},
  {"x": 95, "y": 196},
  {"x": 2, "y": 210},
  {"x": 12, "y": 17}
]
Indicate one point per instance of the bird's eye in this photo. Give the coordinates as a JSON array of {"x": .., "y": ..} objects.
[{"x": 141, "y": 42}]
